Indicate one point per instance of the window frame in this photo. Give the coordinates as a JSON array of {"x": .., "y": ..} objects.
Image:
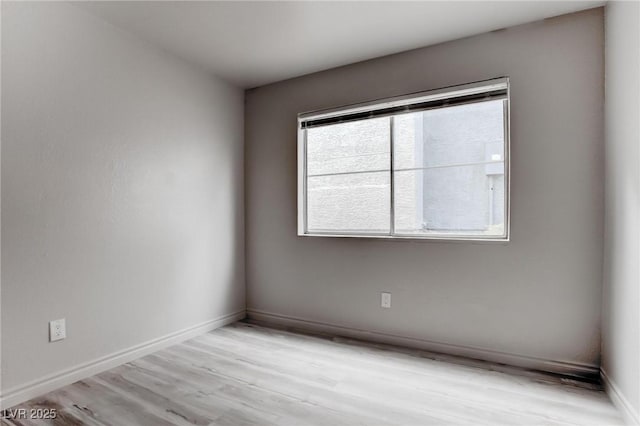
[{"x": 441, "y": 97}]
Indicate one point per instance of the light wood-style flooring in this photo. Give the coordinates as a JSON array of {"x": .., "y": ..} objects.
[{"x": 247, "y": 374}]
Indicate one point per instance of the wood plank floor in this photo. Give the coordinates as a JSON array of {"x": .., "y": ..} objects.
[{"x": 246, "y": 374}]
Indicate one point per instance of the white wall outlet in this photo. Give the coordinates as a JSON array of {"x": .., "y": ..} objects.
[
  {"x": 57, "y": 330},
  {"x": 385, "y": 300}
]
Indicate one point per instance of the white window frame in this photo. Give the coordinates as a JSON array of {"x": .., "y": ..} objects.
[{"x": 477, "y": 92}]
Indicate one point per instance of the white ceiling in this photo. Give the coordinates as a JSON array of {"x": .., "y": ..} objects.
[{"x": 255, "y": 43}]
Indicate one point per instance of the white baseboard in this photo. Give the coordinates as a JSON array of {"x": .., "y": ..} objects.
[
  {"x": 565, "y": 368},
  {"x": 619, "y": 400},
  {"x": 57, "y": 380}
]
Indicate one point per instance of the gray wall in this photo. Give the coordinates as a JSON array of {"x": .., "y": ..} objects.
[
  {"x": 122, "y": 191},
  {"x": 621, "y": 296},
  {"x": 540, "y": 294}
]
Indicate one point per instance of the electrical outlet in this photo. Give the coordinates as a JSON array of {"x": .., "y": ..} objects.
[
  {"x": 385, "y": 300},
  {"x": 57, "y": 330}
]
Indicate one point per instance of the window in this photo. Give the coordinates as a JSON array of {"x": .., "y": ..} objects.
[{"x": 428, "y": 165}]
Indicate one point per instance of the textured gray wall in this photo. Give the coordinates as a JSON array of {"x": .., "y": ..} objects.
[
  {"x": 538, "y": 295},
  {"x": 122, "y": 191},
  {"x": 621, "y": 321}
]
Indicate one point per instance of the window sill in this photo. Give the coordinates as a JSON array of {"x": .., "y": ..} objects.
[{"x": 434, "y": 238}]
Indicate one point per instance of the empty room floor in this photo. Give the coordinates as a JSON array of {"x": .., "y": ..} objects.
[{"x": 245, "y": 374}]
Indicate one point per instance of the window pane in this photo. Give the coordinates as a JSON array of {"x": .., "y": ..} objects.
[
  {"x": 348, "y": 177},
  {"x": 449, "y": 171},
  {"x": 458, "y": 200},
  {"x": 348, "y": 147},
  {"x": 349, "y": 203}
]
